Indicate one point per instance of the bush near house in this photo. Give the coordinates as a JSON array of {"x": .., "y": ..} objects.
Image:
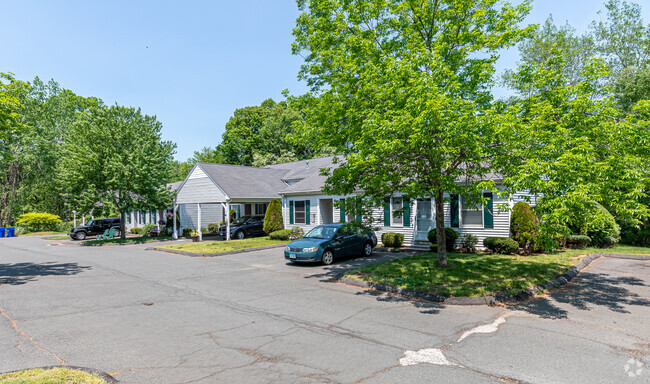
[
  {"x": 273, "y": 218},
  {"x": 578, "y": 241},
  {"x": 501, "y": 245},
  {"x": 595, "y": 221},
  {"x": 468, "y": 242},
  {"x": 38, "y": 221},
  {"x": 187, "y": 232},
  {"x": 136, "y": 230},
  {"x": 450, "y": 239},
  {"x": 213, "y": 228},
  {"x": 524, "y": 226},
  {"x": 282, "y": 234},
  {"x": 392, "y": 240},
  {"x": 296, "y": 233}
]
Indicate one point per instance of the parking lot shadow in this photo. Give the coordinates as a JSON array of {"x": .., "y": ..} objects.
[
  {"x": 330, "y": 272},
  {"x": 590, "y": 290},
  {"x": 22, "y": 273}
]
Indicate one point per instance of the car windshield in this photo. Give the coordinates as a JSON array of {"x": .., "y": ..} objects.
[
  {"x": 321, "y": 233},
  {"x": 240, "y": 220}
]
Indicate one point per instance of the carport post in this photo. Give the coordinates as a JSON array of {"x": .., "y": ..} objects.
[
  {"x": 228, "y": 220},
  {"x": 175, "y": 232},
  {"x": 198, "y": 206}
]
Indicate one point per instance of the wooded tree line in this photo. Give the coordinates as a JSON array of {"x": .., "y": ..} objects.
[
  {"x": 61, "y": 152},
  {"x": 406, "y": 88}
]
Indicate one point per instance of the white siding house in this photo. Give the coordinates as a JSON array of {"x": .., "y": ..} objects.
[{"x": 213, "y": 188}]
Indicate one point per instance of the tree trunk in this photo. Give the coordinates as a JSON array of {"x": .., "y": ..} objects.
[
  {"x": 440, "y": 229},
  {"x": 122, "y": 224}
]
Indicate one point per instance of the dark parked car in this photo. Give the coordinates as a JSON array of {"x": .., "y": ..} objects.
[
  {"x": 95, "y": 227},
  {"x": 325, "y": 242},
  {"x": 245, "y": 226}
]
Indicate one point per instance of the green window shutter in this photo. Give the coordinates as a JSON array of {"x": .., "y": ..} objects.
[
  {"x": 387, "y": 212},
  {"x": 291, "y": 212},
  {"x": 406, "y": 216},
  {"x": 239, "y": 211},
  {"x": 129, "y": 217},
  {"x": 307, "y": 219},
  {"x": 454, "y": 212},
  {"x": 488, "y": 212},
  {"x": 359, "y": 218},
  {"x": 342, "y": 211}
]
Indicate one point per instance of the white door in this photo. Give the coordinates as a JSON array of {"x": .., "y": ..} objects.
[{"x": 423, "y": 219}]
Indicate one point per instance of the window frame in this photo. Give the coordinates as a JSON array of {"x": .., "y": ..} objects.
[
  {"x": 295, "y": 212},
  {"x": 479, "y": 209}
]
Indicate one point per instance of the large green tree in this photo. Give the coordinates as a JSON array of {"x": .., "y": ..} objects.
[
  {"x": 404, "y": 86},
  {"x": 572, "y": 144},
  {"x": 12, "y": 92},
  {"x": 116, "y": 154}
]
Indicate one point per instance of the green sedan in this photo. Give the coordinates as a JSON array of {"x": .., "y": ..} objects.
[{"x": 325, "y": 242}]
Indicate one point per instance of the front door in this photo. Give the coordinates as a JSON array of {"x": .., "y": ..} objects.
[{"x": 423, "y": 219}]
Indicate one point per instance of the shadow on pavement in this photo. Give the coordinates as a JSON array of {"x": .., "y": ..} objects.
[
  {"x": 340, "y": 265},
  {"x": 22, "y": 273},
  {"x": 587, "y": 291}
]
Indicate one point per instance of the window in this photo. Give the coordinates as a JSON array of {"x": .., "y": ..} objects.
[
  {"x": 396, "y": 214},
  {"x": 471, "y": 215},
  {"x": 260, "y": 209},
  {"x": 129, "y": 217},
  {"x": 299, "y": 212},
  {"x": 247, "y": 209}
]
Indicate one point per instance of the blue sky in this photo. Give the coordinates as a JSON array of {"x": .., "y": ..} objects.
[{"x": 190, "y": 63}]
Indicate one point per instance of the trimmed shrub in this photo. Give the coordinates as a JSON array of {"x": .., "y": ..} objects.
[
  {"x": 147, "y": 229},
  {"x": 273, "y": 217},
  {"x": 524, "y": 226},
  {"x": 282, "y": 234},
  {"x": 609, "y": 242},
  {"x": 392, "y": 240},
  {"x": 450, "y": 238},
  {"x": 296, "y": 233},
  {"x": 433, "y": 248},
  {"x": 502, "y": 245},
  {"x": 213, "y": 227},
  {"x": 187, "y": 232},
  {"x": 595, "y": 221},
  {"x": 468, "y": 242},
  {"x": 38, "y": 221},
  {"x": 578, "y": 241},
  {"x": 136, "y": 230}
]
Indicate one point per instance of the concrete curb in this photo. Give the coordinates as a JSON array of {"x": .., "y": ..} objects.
[
  {"x": 123, "y": 244},
  {"x": 105, "y": 376},
  {"x": 215, "y": 254},
  {"x": 488, "y": 300}
]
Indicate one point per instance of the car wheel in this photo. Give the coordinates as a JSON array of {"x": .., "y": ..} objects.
[
  {"x": 367, "y": 249},
  {"x": 327, "y": 258},
  {"x": 80, "y": 235},
  {"x": 117, "y": 233},
  {"x": 240, "y": 235}
]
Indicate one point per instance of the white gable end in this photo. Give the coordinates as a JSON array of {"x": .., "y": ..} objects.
[{"x": 199, "y": 188}]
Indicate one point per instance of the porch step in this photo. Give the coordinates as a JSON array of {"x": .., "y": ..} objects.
[{"x": 421, "y": 245}]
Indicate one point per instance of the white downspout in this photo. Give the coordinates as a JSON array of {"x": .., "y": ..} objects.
[
  {"x": 228, "y": 220},
  {"x": 175, "y": 232}
]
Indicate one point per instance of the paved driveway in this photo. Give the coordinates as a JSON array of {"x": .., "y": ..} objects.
[{"x": 153, "y": 317}]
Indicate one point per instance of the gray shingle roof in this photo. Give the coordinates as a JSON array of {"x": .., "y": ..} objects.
[
  {"x": 239, "y": 181},
  {"x": 300, "y": 170},
  {"x": 174, "y": 186}
]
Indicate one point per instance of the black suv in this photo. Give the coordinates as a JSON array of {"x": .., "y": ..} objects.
[
  {"x": 94, "y": 228},
  {"x": 245, "y": 226}
]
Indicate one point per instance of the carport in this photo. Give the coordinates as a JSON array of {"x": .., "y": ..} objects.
[{"x": 210, "y": 190}]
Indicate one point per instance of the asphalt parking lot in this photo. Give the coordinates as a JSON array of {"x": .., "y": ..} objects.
[{"x": 154, "y": 317}]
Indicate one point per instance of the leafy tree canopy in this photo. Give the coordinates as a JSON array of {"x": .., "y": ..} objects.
[{"x": 404, "y": 86}]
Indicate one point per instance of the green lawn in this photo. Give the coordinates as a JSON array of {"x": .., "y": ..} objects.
[
  {"x": 41, "y": 233},
  {"x": 127, "y": 240},
  {"x": 477, "y": 274},
  {"x": 58, "y": 237},
  {"x": 50, "y": 376},
  {"x": 225, "y": 246}
]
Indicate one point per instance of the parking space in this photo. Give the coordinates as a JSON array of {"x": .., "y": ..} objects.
[{"x": 149, "y": 316}]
